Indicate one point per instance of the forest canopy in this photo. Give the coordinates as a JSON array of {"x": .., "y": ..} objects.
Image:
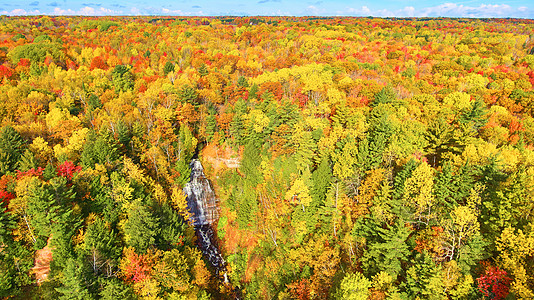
[{"x": 354, "y": 158}]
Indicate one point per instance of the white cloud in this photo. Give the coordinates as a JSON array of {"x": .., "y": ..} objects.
[
  {"x": 20, "y": 12},
  {"x": 363, "y": 11},
  {"x": 165, "y": 11},
  {"x": 447, "y": 10},
  {"x": 60, "y": 12},
  {"x": 86, "y": 11},
  {"x": 135, "y": 11},
  {"x": 312, "y": 10},
  {"x": 408, "y": 11},
  {"x": 282, "y": 13},
  {"x": 483, "y": 10}
]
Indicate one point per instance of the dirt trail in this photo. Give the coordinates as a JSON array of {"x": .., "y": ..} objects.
[{"x": 41, "y": 268}]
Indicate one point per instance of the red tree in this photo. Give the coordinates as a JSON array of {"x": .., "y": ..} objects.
[
  {"x": 5, "y": 72},
  {"x": 31, "y": 172},
  {"x": 67, "y": 169},
  {"x": 135, "y": 267},
  {"x": 494, "y": 284},
  {"x": 99, "y": 63},
  {"x": 5, "y": 197}
]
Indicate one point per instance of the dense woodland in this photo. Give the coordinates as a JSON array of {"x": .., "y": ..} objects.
[{"x": 354, "y": 158}]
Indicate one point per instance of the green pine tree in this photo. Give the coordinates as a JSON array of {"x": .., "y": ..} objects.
[
  {"x": 74, "y": 283},
  {"x": 424, "y": 279},
  {"x": 27, "y": 161},
  {"x": 115, "y": 289},
  {"x": 122, "y": 78},
  {"x": 141, "y": 227},
  {"x": 101, "y": 245},
  {"x": 386, "y": 248},
  {"x": 10, "y": 149}
]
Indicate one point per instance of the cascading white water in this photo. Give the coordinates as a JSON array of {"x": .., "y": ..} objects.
[
  {"x": 203, "y": 206},
  {"x": 199, "y": 192}
]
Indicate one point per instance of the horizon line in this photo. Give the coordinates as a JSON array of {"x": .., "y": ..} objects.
[{"x": 264, "y": 16}]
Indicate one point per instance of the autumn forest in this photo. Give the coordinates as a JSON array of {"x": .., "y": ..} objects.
[{"x": 351, "y": 158}]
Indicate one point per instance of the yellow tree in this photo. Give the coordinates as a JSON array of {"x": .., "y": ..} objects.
[
  {"x": 456, "y": 284},
  {"x": 419, "y": 194},
  {"x": 516, "y": 251},
  {"x": 179, "y": 202},
  {"x": 462, "y": 225},
  {"x": 299, "y": 193}
]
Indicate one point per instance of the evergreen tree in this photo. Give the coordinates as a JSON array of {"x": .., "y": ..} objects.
[
  {"x": 386, "y": 248},
  {"x": 187, "y": 94},
  {"x": 114, "y": 289},
  {"x": 7, "y": 224},
  {"x": 172, "y": 226},
  {"x": 42, "y": 208},
  {"x": 49, "y": 172},
  {"x": 386, "y": 95},
  {"x": 16, "y": 262},
  {"x": 101, "y": 245},
  {"x": 203, "y": 70},
  {"x": 169, "y": 67},
  {"x": 252, "y": 93},
  {"x": 74, "y": 283},
  {"x": 373, "y": 148},
  {"x": 124, "y": 135},
  {"x": 242, "y": 82},
  {"x": 65, "y": 222},
  {"x": 211, "y": 127},
  {"x": 494, "y": 205},
  {"x": 438, "y": 137},
  {"x": 122, "y": 78},
  {"x": 6, "y": 279},
  {"x": 424, "y": 279},
  {"x": 103, "y": 203},
  {"x": 452, "y": 187},
  {"x": 187, "y": 144},
  {"x": 305, "y": 149},
  {"x": 27, "y": 161},
  {"x": 94, "y": 102},
  {"x": 399, "y": 185},
  {"x": 10, "y": 149},
  {"x": 246, "y": 204},
  {"x": 100, "y": 149},
  {"x": 475, "y": 115},
  {"x": 321, "y": 180},
  {"x": 250, "y": 164},
  {"x": 141, "y": 227},
  {"x": 237, "y": 125}
]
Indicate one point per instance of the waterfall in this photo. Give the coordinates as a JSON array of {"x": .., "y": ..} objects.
[
  {"x": 204, "y": 208},
  {"x": 201, "y": 200}
]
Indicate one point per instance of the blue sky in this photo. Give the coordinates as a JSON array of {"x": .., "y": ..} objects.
[{"x": 378, "y": 8}]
